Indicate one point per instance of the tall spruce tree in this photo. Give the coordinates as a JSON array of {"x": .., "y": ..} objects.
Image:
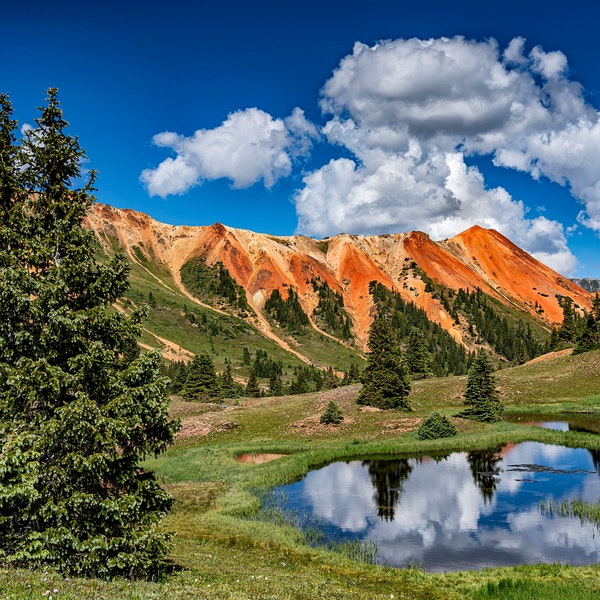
[
  {"x": 275, "y": 383},
  {"x": 590, "y": 338},
  {"x": 229, "y": 387},
  {"x": 80, "y": 408},
  {"x": 252, "y": 388},
  {"x": 202, "y": 382},
  {"x": 416, "y": 354},
  {"x": 385, "y": 378},
  {"x": 481, "y": 396}
]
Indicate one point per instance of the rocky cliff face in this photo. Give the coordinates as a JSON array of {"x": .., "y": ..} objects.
[{"x": 477, "y": 258}]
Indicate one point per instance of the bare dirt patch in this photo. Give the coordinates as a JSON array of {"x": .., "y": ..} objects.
[
  {"x": 203, "y": 425},
  {"x": 312, "y": 424},
  {"x": 402, "y": 425},
  {"x": 550, "y": 356}
]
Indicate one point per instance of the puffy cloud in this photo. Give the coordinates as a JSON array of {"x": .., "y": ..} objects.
[
  {"x": 412, "y": 112},
  {"x": 249, "y": 146}
]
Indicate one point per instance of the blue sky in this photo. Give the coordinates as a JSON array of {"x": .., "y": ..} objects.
[{"x": 269, "y": 116}]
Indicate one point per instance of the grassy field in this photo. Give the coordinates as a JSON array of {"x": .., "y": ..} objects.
[{"x": 223, "y": 550}]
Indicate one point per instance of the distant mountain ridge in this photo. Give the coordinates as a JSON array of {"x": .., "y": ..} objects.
[
  {"x": 409, "y": 263},
  {"x": 591, "y": 285}
]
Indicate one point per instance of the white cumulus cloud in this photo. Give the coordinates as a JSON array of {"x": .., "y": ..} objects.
[
  {"x": 412, "y": 112},
  {"x": 248, "y": 147}
]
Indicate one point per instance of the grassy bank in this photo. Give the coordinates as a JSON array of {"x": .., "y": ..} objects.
[{"x": 222, "y": 550}]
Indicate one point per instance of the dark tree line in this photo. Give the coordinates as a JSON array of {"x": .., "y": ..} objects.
[
  {"x": 288, "y": 313},
  {"x": 198, "y": 380},
  {"x": 213, "y": 281},
  {"x": 330, "y": 312},
  {"x": 580, "y": 331},
  {"x": 513, "y": 340},
  {"x": 590, "y": 336},
  {"x": 432, "y": 350}
]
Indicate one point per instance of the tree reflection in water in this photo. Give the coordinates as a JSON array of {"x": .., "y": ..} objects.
[
  {"x": 388, "y": 477},
  {"x": 485, "y": 470},
  {"x": 595, "y": 454}
]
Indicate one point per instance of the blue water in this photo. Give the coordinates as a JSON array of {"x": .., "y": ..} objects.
[
  {"x": 566, "y": 422},
  {"x": 463, "y": 511}
]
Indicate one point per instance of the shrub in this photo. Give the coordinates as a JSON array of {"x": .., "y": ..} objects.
[
  {"x": 436, "y": 426},
  {"x": 332, "y": 414}
]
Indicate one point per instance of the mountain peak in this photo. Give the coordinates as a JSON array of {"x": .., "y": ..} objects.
[{"x": 477, "y": 258}]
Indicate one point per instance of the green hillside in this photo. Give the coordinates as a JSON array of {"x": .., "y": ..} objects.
[
  {"x": 192, "y": 327},
  {"x": 224, "y": 550}
]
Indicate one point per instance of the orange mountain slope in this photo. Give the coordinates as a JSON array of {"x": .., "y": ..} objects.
[{"x": 477, "y": 258}]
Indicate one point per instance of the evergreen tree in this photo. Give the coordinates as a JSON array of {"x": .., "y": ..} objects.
[
  {"x": 275, "y": 383},
  {"x": 289, "y": 312},
  {"x": 246, "y": 356},
  {"x": 352, "y": 375},
  {"x": 435, "y": 426},
  {"x": 10, "y": 192},
  {"x": 178, "y": 374},
  {"x": 300, "y": 384},
  {"x": 416, "y": 355},
  {"x": 590, "y": 338},
  {"x": 385, "y": 378},
  {"x": 80, "y": 408},
  {"x": 229, "y": 388},
  {"x": 481, "y": 396},
  {"x": 330, "y": 380},
  {"x": 252, "y": 388},
  {"x": 151, "y": 300},
  {"x": 332, "y": 414},
  {"x": 567, "y": 333},
  {"x": 201, "y": 382}
]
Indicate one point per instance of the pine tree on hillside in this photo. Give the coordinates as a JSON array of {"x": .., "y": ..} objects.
[
  {"x": 417, "y": 356},
  {"x": 352, "y": 375},
  {"x": 275, "y": 383},
  {"x": 80, "y": 408},
  {"x": 201, "y": 382},
  {"x": 571, "y": 328},
  {"x": 252, "y": 389},
  {"x": 385, "y": 378},
  {"x": 330, "y": 380},
  {"x": 229, "y": 387},
  {"x": 481, "y": 396},
  {"x": 177, "y": 373},
  {"x": 590, "y": 338}
]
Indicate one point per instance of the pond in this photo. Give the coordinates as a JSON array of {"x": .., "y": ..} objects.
[
  {"x": 457, "y": 512},
  {"x": 589, "y": 423}
]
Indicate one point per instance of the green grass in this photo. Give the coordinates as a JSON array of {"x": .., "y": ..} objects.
[
  {"x": 224, "y": 550},
  {"x": 224, "y": 335}
]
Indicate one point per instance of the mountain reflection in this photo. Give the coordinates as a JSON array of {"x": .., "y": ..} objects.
[{"x": 387, "y": 477}]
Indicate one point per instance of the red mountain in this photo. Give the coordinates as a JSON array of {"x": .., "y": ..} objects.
[{"x": 260, "y": 263}]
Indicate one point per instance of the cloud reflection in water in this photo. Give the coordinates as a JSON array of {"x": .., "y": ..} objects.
[{"x": 443, "y": 520}]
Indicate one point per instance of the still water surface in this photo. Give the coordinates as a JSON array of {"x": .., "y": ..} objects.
[
  {"x": 560, "y": 422},
  {"x": 461, "y": 511}
]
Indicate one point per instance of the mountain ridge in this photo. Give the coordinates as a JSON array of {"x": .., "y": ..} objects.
[{"x": 408, "y": 263}]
